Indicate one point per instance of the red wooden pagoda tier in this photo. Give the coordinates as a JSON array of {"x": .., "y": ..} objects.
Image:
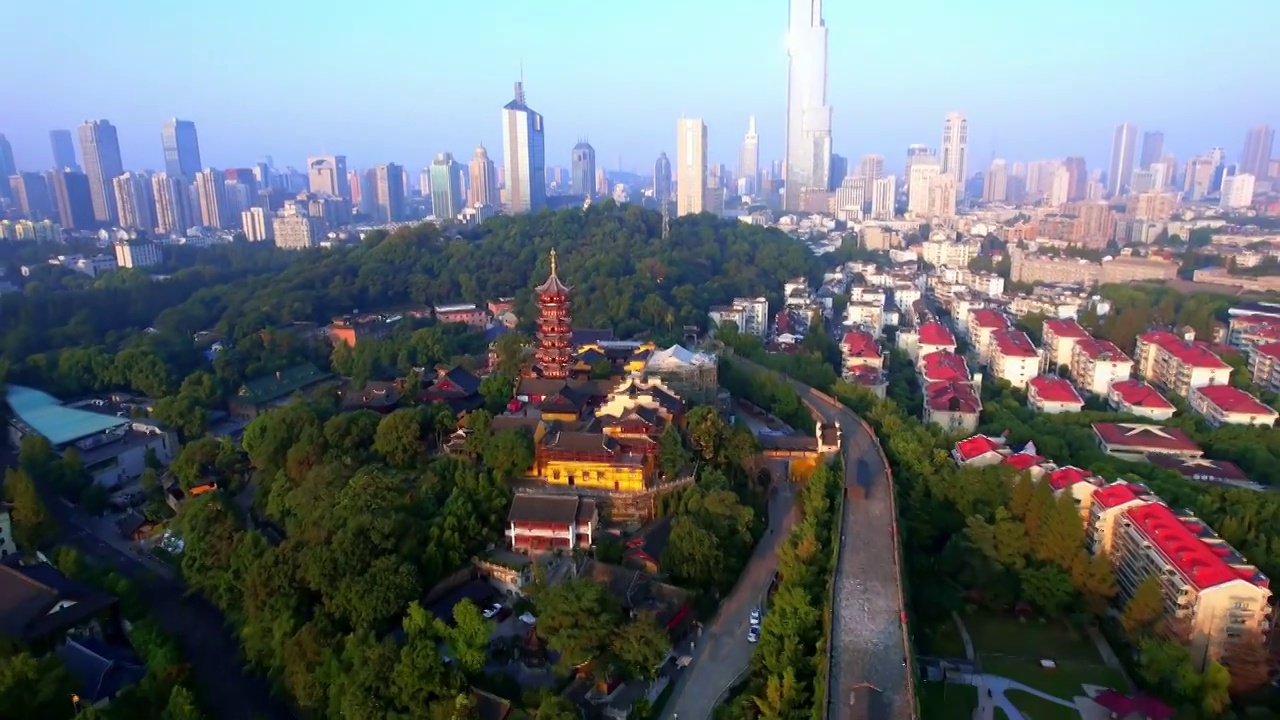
[{"x": 555, "y": 331}]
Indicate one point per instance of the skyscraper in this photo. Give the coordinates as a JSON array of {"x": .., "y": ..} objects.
[
  {"x": 920, "y": 153},
  {"x": 1152, "y": 148},
  {"x": 871, "y": 169},
  {"x": 181, "y": 148},
  {"x": 884, "y": 197},
  {"x": 808, "y": 131},
  {"x": 1077, "y": 178},
  {"x": 839, "y": 169},
  {"x": 7, "y": 165},
  {"x": 749, "y": 158},
  {"x": 662, "y": 179},
  {"x": 523, "y": 155},
  {"x": 74, "y": 199},
  {"x": 173, "y": 211},
  {"x": 691, "y": 166},
  {"x": 1123, "y": 153},
  {"x": 995, "y": 188},
  {"x": 1256, "y": 158},
  {"x": 389, "y": 189},
  {"x": 100, "y": 152},
  {"x": 955, "y": 148},
  {"x": 30, "y": 191},
  {"x": 446, "y": 187},
  {"x": 211, "y": 191},
  {"x": 64, "y": 151},
  {"x": 483, "y": 188},
  {"x": 924, "y": 173},
  {"x": 135, "y": 202},
  {"x": 327, "y": 175},
  {"x": 582, "y": 178}
]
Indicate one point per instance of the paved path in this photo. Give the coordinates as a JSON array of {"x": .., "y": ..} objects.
[
  {"x": 991, "y": 694},
  {"x": 964, "y": 637},
  {"x": 723, "y": 654},
  {"x": 1108, "y": 655},
  {"x": 867, "y": 641}
]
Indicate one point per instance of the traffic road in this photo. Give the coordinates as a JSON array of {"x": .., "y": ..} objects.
[{"x": 723, "y": 654}]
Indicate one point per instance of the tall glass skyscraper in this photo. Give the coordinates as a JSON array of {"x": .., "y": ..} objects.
[
  {"x": 524, "y": 157},
  {"x": 100, "y": 149},
  {"x": 64, "y": 150},
  {"x": 181, "y": 148},
  {"x": 582, "y": 174},
  {"x": 662, "y": 179},
  {"x": 808, "y": 147}
]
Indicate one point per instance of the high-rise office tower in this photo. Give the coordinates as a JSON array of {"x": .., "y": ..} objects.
[
  {"x": 135, "y": 202},
  {"x": 523, "y": 155},
  {"x": 1237, "y": 191},
  {"x": 181, "y": 148},
  {"x": 1198, "y": 177},
  {"x": 924, "y": 173},
  {"x": 582, "y": 176},
  {"x": 446, "y": 187},
  {"x": 883, "y": 198},
  {"x": 74, "y": 199},
  {"x": 30, "y": 191},
  {"x": 749, "y": 158},
  {"x": 839, "y": 169},
  {"x": 691, "y": 166},
  {"x": 955, "y": 148},
  {"x": 1256, "y": 158},
  {"x": 390, "y": 193},
  {"x": 483, "y": 188},
  {"x": 64, "y": 150},
  {"x": 871, "y": 169},
  {"x": 211, "y": 190},
  {"x": 808, "y": 131},
  {"x": 942, "y": 197},
  {"x": 327, "y": 175},
  {"x": 917, "y": 153},
  {"x": 8, "y": 167},
  {"x": 1060, "y": 187},
  {"x": 662, "y": 179},
  {"x": 173, "y": 210},
  {"x": 995, "y": 184},
  {"x": 1161, "y": 174},
  {"x": 100, "y": 152},
  {"x": 602, "y": 182},
  {"x": 364, "y": 191},
  {"x": 1124, "y": 148},
  {"x": 1152, "y": 149},
  {"x": 1077, "y": 178}
]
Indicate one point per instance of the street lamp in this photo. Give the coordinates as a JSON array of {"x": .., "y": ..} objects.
[{"x": 75, "y": 704}]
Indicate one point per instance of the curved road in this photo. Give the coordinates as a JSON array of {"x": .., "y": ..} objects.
[
  {"x": 723, "y": 654},
  {"x": 867, "y": 641}
]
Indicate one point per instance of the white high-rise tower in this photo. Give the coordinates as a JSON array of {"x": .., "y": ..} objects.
[
  {"x": 808, "y": 132},
  {"x": 749, "y": 158},
  {"x": 955, "y": 148}
]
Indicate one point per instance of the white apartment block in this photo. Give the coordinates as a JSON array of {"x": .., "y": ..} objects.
[
  {"x": 1226, "y": 405},
  {"x": 137, "y": 254},
  {"x": 945, "y": 252},
  {"x": 751, "y": 315},
  {"x": 1060, "y": 338},
  {"x": 1264, "y": 366},
  {"x": 1178, "y": 365},
  {"x": 1014, "y": 358},
  {"x": 1096, "y": 365},
  {"x": 982, "y": 324},
  {"x": 257, "y": 225}
]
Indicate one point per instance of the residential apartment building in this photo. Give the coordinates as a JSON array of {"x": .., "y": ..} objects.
[
  {"x": 860, "y": 349},
  {"x": 944, "y": 252},
  {"x": 1136, "y": 397},
  {"x": 1059, "y": 338},
  {"x": 1178, "y": 365},
  {"x": 1014, "y": 358},
  {"x": 751, "y": 315},
  {"x": 1227, "y": 405},
  {"x": 1264, "y": 366},
  {"x": 932, "y": 337},
  {"x": 1051, "y": 394},
  {"x": 1096, "y": 365},
  {"x": 1033, "y": 268},
  {"x": 980, "y": 325}
]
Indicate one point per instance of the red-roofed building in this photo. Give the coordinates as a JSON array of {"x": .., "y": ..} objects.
[
  {"x": 1246, "y": 341},
  {"x": 1264, "y": 366},
  {"x": 1211, "y": 592},
  {"x": 1132, "y": 708},
  {"x": 1136, "y": 397},
  {"x": 1079, "y": 482},
  {"x": 1051, "y": 394},
  {"x": 1109, "y": 501},
  {"x": 1203, "y": 469},
  {"x": 1178, "y": 365},
  {"x": 1226, "y": 405},
  {"x": 934, "y": 337},
  {"x": 872, "y": 378},
  {"x": 1024, "y": 461},
  {"x": 953, "y": 405},
  {"x": 979, "y": 450},
  {"x": 1241, "y": 327},
  {"x": 943, "y": 365},
  {"x": 1096, "y": 364},
  {"x": 1059, "y": 339},
  {"x": 1132, "y": 441},
  {"x": 1013, "y": 357},
  {"x": 859, "y": 348},
  {"x": 981, "y": 324}
]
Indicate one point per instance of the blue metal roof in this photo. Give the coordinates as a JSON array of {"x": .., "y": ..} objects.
[{"x": 46, "y": 415}]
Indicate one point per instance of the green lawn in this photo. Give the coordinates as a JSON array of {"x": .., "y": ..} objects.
[
  {"x": 1012, "y": 648},
  {"x": 947, "y": 702},
  {"x": 1002, "y": 715},
  {"x": 942, "y": 641},
  {"x": 1036, "y": 708}
]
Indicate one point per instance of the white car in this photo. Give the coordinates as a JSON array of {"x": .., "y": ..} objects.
[
  {"x": 528, "y": 619},
  {"x": 755, "y": 618},
  {"x": 753, "y": 635},
  {"x": 492, "y": 611}
]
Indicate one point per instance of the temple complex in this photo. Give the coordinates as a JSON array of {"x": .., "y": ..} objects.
[{"x": 554, "y": 358}]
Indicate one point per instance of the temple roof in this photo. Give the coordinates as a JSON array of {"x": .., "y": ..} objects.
[{"x": 553, "y": 286}]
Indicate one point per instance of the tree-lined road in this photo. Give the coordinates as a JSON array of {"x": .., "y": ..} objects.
[{"x": 867, "y": 644}]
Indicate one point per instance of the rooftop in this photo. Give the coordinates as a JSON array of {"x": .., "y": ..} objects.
[
  {"x": 1271, "y": 350},
  {"x": 1116, "y": 494},
  {"x": 1103, "y": 350},
  {"x": 1051, "y": 388},
  {"x": 1065, "y": 477},
  {"x": 1144, "y": 437},
  {"x": 935, "y": 333},
  {"x": 1194, "y": 559},
  {"x": 1199, "y": 468},
  {"x": 1015, "y": 343},
  {"x": 988, "y": 318},
  {"x": 944, "y": 365},
  {"x": 1234, "y": 400},
  {"x": 57, "y": 423},
  {"x": 952, "y": 396},
  {"x": 551, "y": 509},
  {"x": 1023, "y": 460},
  {"x": 1065, "y": 328},
  {"x": 1190, "y": 353},
  {"x": 1139, "y": 394},
  {"x": 860, "y": 345},
  {"x": 977, "y": 446}
]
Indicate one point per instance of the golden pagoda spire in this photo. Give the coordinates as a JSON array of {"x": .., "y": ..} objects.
[{"x": 553, "y": 261}]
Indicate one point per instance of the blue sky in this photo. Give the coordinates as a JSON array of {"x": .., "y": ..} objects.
[{"x": 399, "y": 81}]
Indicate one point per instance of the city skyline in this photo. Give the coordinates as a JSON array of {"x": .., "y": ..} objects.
[{"x": 410, "y": 131}]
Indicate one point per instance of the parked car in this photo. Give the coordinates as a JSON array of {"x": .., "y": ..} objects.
[
  {"x": 492, "y": 611},
  {"x": 753, "y": 635},
  {"x": 755, "y": 617}
]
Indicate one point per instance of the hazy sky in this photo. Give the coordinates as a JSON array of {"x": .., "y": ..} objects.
[{"x": 400, "y": 81}]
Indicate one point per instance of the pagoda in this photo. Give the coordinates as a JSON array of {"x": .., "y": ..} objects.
[{"x": 555, "y": 334}]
